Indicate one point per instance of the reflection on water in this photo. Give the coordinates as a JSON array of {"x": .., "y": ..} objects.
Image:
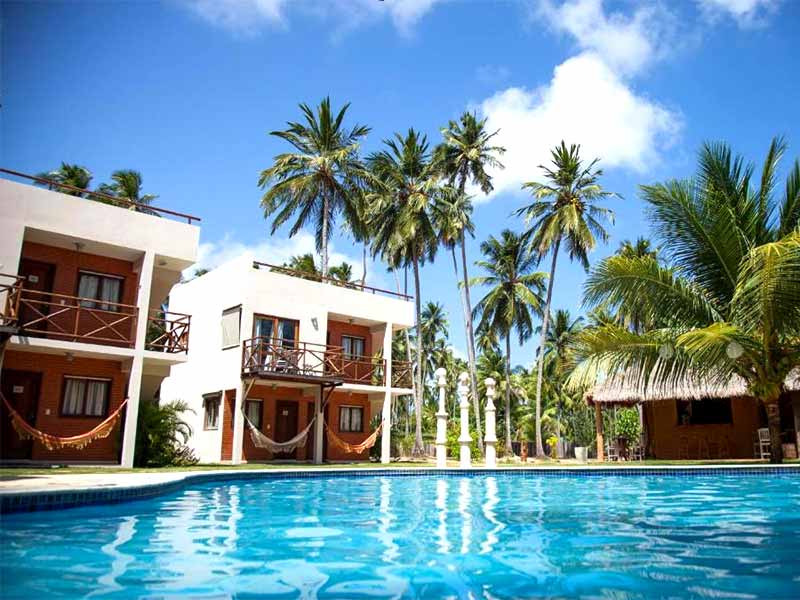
[{"x": 499, "y": 536}]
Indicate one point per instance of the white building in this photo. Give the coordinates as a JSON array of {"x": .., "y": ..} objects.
[
  {"x": 81, "y": 290},
  {"x": 284, "y": 349}
]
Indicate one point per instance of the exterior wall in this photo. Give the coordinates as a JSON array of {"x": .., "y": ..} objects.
[
  {"x": 227, "y": 408},
  {"x": 53, "y": 369},
  {"x": 337, "y": 329},
  {"x": 270, "y": 398},
  {"x": 339, "y": 399},
  {"x": 664, "y": 432}
]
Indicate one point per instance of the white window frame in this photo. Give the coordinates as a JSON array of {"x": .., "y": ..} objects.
[{"x": 208, "y": 400}]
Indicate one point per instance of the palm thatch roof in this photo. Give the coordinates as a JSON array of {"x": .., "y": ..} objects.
[{"x": 630, "y": 388}]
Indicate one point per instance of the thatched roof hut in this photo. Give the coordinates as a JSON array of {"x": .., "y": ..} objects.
[{"x": 630, "y": 388}]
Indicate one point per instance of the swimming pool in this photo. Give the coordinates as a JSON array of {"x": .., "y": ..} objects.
[{"x": 506, "y": 535}]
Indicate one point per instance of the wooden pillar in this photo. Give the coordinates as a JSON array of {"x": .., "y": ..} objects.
[{"x": 598, "y": 426}]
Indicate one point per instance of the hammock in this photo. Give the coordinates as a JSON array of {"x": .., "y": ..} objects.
[
  {"x": 368, "y": 443},
  {"x": 262, "y": 441},
  {"x": 52, "y": 442}
]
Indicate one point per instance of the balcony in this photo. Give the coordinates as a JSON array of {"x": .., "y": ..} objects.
[
  {"x": 72, "y": 318},
  {"x": 290, "y": 360}
]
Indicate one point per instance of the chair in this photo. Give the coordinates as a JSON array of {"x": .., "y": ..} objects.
[
  {"x": 612, "y": 452},
  {"x": 762, "y": 446},
  {"x": 637, "y": 451}
]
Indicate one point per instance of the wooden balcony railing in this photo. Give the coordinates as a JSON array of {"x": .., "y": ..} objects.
[
  {"x": 11, "y": 288},
  {"x": 59, "y": 316},
  {"x": 168, "y": 332},
  {"x": 290, "y": 358},
  {"x": 402, "y": 373}
]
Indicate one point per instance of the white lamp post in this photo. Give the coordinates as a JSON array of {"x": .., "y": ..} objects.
[
  {"x": 464, "y": 439},
  {"x": 441, "y": 420},
  {"x": 491, "y": 435}
]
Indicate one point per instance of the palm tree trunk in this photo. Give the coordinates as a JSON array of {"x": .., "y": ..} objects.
[
  {"x": 774, "y": 423},
  {"x": 543, "y": 340},
  {"x": 418, "y": 447},
  {"x": 325, "y": 201},
  {"x": 509, "y": 449},
  {"x": 473, "y": 377},
  {"x": 408, "y": 347},
  {"x": 364, "y": 266}
]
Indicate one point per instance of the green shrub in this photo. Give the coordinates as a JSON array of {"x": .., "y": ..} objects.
[
  {"x": 161, "y": 436},
  {"x": 627, "y": 424},
  {"x": 552, "y": 444}
]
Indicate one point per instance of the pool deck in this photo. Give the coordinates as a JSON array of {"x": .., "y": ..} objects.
[{"x": 29, "y": 483}]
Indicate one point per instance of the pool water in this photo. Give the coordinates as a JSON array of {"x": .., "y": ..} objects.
[{"x": 493, "y": 536}]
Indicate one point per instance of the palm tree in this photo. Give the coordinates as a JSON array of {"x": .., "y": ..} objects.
[
  {"x": 342, "y": 272},
  {"x": 726, "y": 299},
  {"x": 127, "y": 185},
  {"x": 305, "y": 264},
  {"x": 563, "y": 210},
  {"x": 641, "y": 246},
  {"x": 404, "y": 191},
  {"x": 433, "y": 327},
  {"x": 69, "y": 174},
  {"x": 320, "y": 179},
  {"x": 463, "y": 157},
  {"x": 515, "y": 295}
]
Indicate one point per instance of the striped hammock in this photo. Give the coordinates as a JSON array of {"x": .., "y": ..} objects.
[
  {"x": 262, "y": 441},
  {"x": 368, "y": 443},
  {"x": 53, "y": 442}
]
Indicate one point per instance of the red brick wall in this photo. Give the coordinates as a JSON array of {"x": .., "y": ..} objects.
[
  {"x": 53, "y": 369},
  {"x": 68, "y": 263},
  {"x": 336, "y": 329},
  {"x": 228, "y": 406}
]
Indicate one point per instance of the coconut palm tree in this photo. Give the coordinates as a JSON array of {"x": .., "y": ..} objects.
[
  {"x": 726, "y": 299},
  {"x": 564, "y": 210},
  {"x": 127, "y": 185},
  {"x": 515, "y": 295},
  {"x": 318, "y": 180},
  {"x": 463, "y": 157},
  {"x": 69, "y": 174},
  {"x": 641, "y": 246},
  {"x": 404, "y": 190}
]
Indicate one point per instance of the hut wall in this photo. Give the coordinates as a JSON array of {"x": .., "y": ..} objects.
[{"x": 666, "y": 435}]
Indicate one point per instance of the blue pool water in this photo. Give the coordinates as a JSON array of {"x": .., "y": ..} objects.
[{"x": 502, "y": 536}]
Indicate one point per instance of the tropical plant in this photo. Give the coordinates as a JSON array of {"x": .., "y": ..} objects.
[
  {"x": 404, "y": 190},
  {"x": 564, "y": 210},
  {"x": 627, "y": 425},
  {"x": 127, "y": 185},
  {"x": 304, "y": 266},
  {"x": 464, "y": 156},
  {"x": 726, "y": 299},
  {"x": 342, "y": 272},
  {"x": 515, "y": 295},
  {"x": 320, "y": 179},
  {"x": 162, "y": 434},
  {"x": 434, "y": 327},
  {"x": 68, "y": 174}
]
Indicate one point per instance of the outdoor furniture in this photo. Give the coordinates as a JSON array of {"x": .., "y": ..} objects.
[
  {"x": 637, "y": 452},
  {"x": 703, "y": 450},
  {"x": 761, "y": 446},
  {"x": 684, "y": 447},
  {"x": 612, "y": 452}
]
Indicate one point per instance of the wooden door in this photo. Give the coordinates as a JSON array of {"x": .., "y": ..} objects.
[
  {"x": 285, "y": 424},
  {"x": 21, "y": 389},
  {"x": 38, "y": 277}
]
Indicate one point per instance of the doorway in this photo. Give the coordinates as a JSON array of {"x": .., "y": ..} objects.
[
  {"x": 285, "y": 425},
  {"x": 38, "y": 277},
  {"x": 21, "y": 389}
]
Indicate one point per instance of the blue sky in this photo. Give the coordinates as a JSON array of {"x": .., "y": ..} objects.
[{"x": 186, "y": 92}]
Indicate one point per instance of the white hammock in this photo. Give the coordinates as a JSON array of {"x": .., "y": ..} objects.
[{"x": 262, "y": 441}]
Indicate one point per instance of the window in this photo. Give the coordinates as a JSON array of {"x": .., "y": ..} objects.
[
  {"x": 211, "y": 404},
  {"x": 351, "y": 419},
  {"x": 104, "y": 288},
  {"x": 84, "y": 397},
  {"x": 711, "y": 411},
  {"x": 282, "y": 332},
  {"x": 253, "y": 411},
  {"x": 231, "y": 321},
  {"x": 353, "y": 346}
]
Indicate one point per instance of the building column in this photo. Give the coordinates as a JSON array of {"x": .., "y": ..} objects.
[
  {"x": 598, "y": 426},
  {"x": 238, "y": 422},
  {"x": 318, "y": 426},
  {"x": 489, "y": 422},
  {"x": 386, "y": 414},
  {"x": 464, "y": 440},
  {"x": 135, "y": 377},
  {"x": 441, "y": 419}
]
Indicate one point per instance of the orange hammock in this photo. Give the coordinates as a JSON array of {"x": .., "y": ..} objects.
[
  {"x": 368, "y": 443},
  {"x": 52, "y": 442}
]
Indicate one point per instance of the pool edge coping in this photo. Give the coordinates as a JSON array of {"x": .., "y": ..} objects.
[{"x": 34, "y": 500}]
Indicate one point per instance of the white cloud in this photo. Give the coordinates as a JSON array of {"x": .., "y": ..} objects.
[
  {"x": 585, "y": 103},
  {"x": 625, "y": 43},
  {"x": 492, "y": 74},
  {"x": 250, "y": 17},
  {"x": 747, "y": 13}
]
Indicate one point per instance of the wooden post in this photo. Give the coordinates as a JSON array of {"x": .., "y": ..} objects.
[{"x": 598, "y": 426}]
